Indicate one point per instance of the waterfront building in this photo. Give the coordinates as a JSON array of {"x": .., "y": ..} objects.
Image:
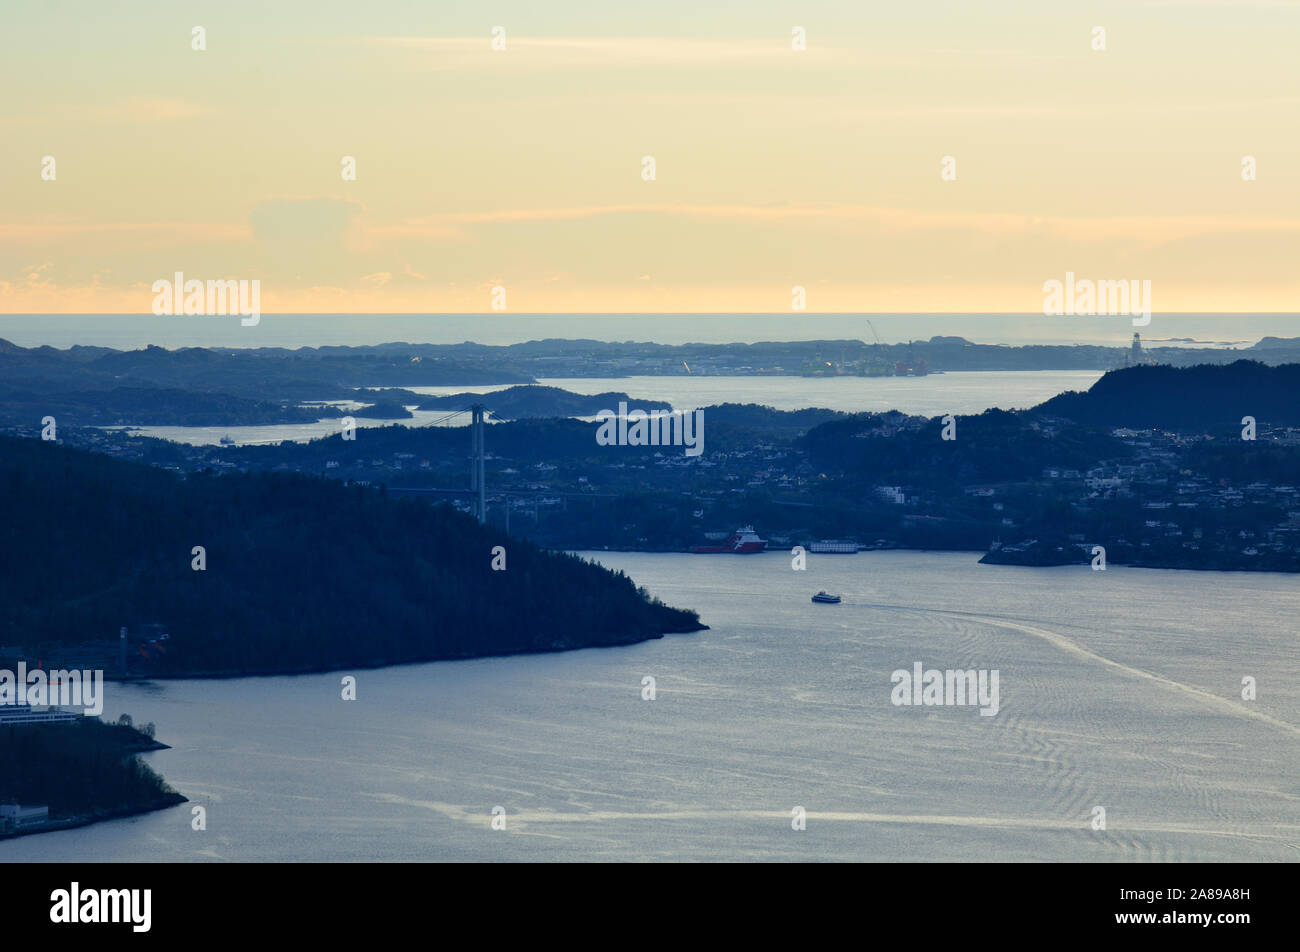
[{"x": 13, "y": 714}]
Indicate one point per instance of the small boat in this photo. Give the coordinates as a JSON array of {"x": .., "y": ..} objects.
[
  {"x": 825, "y": 598},
  {"x": 227, "y": 441}
]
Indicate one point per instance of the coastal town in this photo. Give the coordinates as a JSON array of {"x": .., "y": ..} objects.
[{"x": 1151, "y": 495}]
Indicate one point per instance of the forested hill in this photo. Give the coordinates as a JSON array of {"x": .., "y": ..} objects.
[
  {"x": 516, "y": 403},
  {"x": 1206, "y": 398},
  {"x": 301, "y": 573}
]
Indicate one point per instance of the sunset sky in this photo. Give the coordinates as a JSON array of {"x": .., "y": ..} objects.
[{"x": 774, "y": 167}]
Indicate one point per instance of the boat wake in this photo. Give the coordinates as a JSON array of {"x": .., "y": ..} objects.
[
  {"x": 520, "y": 820},
  {"x": 1061, "y": 642}
]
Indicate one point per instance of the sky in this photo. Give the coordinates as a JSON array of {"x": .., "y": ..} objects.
[{"x": 523, "y": 168}]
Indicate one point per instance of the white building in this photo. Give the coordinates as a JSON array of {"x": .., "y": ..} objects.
[
  {"x": 11, "y": 714},
  {"x": 15, "y": 817}
]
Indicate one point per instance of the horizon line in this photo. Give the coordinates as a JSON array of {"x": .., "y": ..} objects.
[{"x": 793, "y": 314}]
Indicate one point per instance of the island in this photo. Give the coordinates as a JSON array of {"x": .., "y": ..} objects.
[
  {"x": 523, "y": 402},
  {"x": 198, "y": 386},
  {"x": 382, "y": 410}
]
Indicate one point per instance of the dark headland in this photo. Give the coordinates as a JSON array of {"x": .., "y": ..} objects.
[
  {"x": 299, "y": 574},
  {"x": 82, "y": 772}
]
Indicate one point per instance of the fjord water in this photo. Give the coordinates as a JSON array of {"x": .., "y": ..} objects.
[
  {"x": 1119, "y": 689},
  {"x": 962, "y": 392},
  {"x": 934, "y": 395}
]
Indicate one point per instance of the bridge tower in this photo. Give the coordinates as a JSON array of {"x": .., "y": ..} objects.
[{"x": 476, "y": 480}]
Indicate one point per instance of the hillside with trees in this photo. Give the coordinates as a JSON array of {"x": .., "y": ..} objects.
[
  {"x": 1206, "y": 398},
  {"x": 299, "y": 573}
]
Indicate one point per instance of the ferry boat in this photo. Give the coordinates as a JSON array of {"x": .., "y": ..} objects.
[
  {"x": 741, "y": 542},
  {"x": 825, "y": 598},
  {"x": 840, "y": 546}
]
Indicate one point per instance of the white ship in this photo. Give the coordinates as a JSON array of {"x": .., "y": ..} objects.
[{"x": 840, "y": 546}]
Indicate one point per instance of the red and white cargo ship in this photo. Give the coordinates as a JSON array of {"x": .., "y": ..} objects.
[{"x": 742, "y": 542}]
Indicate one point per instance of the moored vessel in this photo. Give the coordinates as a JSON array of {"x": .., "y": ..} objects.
[
  {"x": 743, "y": 541},
  {"x": 839, "y": 546}
]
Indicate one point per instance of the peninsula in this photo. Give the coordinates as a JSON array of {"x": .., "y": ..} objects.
[{"x": 57, "y": 776}]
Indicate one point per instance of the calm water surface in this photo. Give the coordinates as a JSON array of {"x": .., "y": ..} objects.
[{"x": 1118, "y": 689}]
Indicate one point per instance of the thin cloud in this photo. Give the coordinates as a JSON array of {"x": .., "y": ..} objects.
[
  {"x": 132, "y": 110},
  {"x": 529, "y": 52},
  {"x": 144, "y": 110},
  {"x": 1235, "y": 4},
  {"x": 1130, "y": 228},
  {"x": 173, "y": 230},
  {"x": 1126, "y": 228}
]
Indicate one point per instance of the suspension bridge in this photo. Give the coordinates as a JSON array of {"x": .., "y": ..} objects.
[{"x": 477, "y": 478}]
